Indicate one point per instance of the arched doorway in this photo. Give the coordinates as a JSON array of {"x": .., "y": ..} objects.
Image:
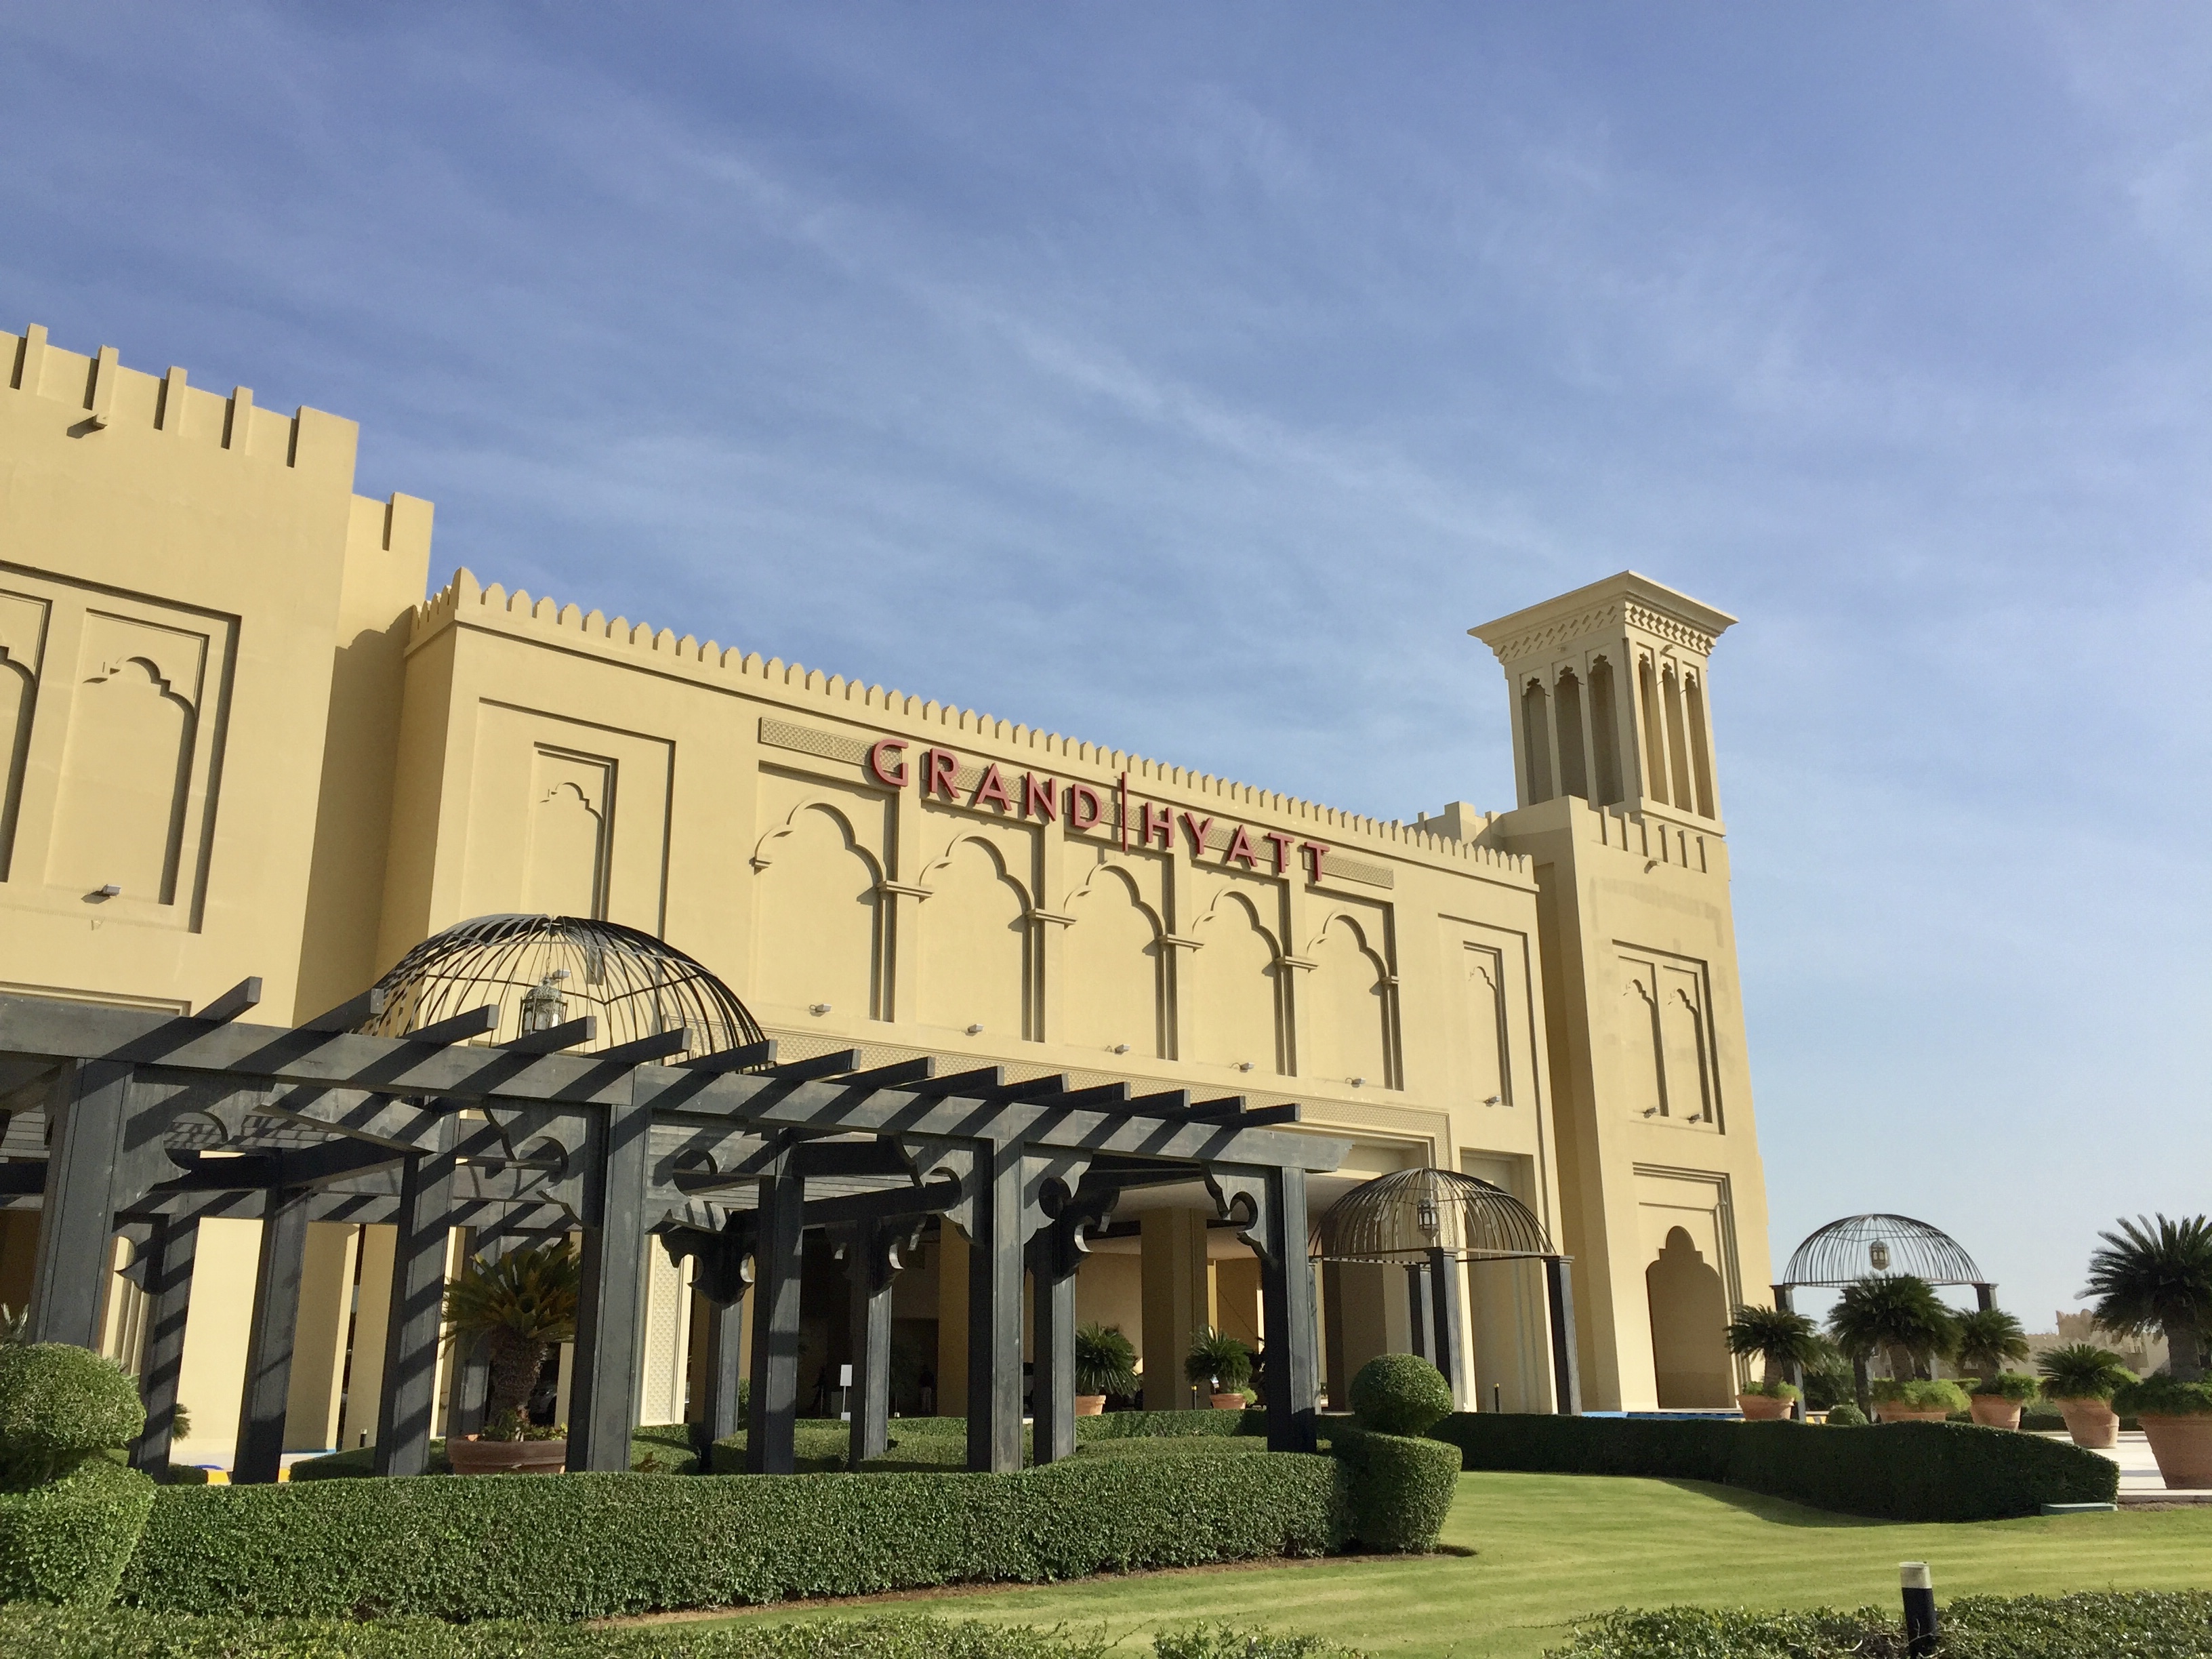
[{"x": 1689, "y": 1320}]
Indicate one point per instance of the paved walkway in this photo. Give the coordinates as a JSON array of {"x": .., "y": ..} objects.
[{"x": 2140, "y": 1482}]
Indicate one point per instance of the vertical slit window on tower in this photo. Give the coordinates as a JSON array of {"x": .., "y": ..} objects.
[
  {"x": 1536, "y": 739},
  {"x": 1572, "y": 778}
]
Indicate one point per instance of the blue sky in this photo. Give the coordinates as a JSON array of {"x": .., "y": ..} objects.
[{"x": 1190, "y": 378}]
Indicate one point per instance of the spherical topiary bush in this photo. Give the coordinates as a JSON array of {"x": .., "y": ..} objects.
[
  {"x": 1846, "y": 1416},
  {"x": 1400, "y": 1393},
  {"x": 59, "y": 1405}
]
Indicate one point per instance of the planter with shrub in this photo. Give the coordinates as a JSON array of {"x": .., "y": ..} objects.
[
  {"x": 2177, "y": 1420},
  {"x": 1765, "y": 1401},
  {"x": 1400, "y": 1484},
  {"x": 1105, "y": 1364},
  {"x": 1997, "y": 1400},
  {"x": 511, "y": 1444},
  {"x": 1779, "y": 1338},
  {"x": 1916, "y": 1401},
  {"x": 71, "y": 1513},
  {"x": 2080, "y": 1379},
  {"x": 1221, "y": 1365}
]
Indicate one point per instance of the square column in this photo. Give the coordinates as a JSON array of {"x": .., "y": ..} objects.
[
  {"x": 270, "y": 1337},
  {"x": 168, "y": 1258},
  {"x": 1174, "y": 1254}
]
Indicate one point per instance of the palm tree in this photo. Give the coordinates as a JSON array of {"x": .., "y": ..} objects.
[
  {"x": 520, "y": 1306},
  {"x": 1987, "y": 1339},
  {"x": 1897, "y": 1316},
  {"x": 2157, "y": 1274},
  {"x": 1781, "y": 1339}
]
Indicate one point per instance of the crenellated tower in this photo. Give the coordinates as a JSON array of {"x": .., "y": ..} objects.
[{"x": 1608, "y": 694}]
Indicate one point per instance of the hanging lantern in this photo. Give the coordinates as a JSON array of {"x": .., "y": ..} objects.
[
  {"x": 1424, "y": 1215},
  {"x": 1878, "y": 1254}
]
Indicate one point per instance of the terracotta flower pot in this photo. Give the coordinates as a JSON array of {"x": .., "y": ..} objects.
[
  {"x": 1089, "y": 1405},
  {"x": 474, "y": 1456},
  {"x": 1763, "y": 1408},
  {"x": 1892, "y": 1411},
  {"x": 1227, "y": 1403},
  {"x": 2093, "y": 1423},
  {"x": 1994, "y": 1411},
  {"x": 2183, "y": 1446}
]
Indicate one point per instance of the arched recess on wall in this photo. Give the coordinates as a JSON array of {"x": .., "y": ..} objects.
[
  {"x": 977, "y": 948},
  {"x": 1114, "y": 988},
  {"x": 819, "y": 936},
  {"x": 1536, "y": 741},
  {"x": 1236, "y": 987},
  {"x": 1344, "y": 1013},
  {"x": 126, "y": 778},
  {"x": 1689, "y": 1322}
]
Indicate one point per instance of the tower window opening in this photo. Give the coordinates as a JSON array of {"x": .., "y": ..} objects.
[
  {"x": 1678, "y": 748},
  {"x": 1655, "y": 742},
  {"x": 1536, "y": 743},
  {"x": 1573, "y": 774},
  {"x": 1701, "y": 743},
  {"x": 1605, "y": 734}
]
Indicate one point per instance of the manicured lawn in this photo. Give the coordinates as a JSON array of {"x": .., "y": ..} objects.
[{"x": 1549, "y": 1547}]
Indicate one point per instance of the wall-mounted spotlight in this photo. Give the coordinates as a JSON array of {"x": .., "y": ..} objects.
[
  {"x": 817, "y": 1009},
  {"x": 974, "y": 1030}
]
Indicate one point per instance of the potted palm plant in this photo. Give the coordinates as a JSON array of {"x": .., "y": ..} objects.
[
  {"x": 2081, "y": 1380},
  {"x": 518, "y": 1307},
  {"x": 1105, "y": 1362},
  {"x": 2156, "y": 1274},
  {"x": 1899, "y": 1318},
  {"x": 1778, "y": 1338},
  {"x": 1221, "y": 1365},
  {"x": 1987, "y": 1339},
  {"x": 2177, "y": 1420}
]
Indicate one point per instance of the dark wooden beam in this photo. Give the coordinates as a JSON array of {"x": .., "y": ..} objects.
[
  {"x": 568, "y": 1034},
  {"x": 241, "y": 998}
]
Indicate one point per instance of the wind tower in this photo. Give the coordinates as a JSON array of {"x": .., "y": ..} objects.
[
  {"x": 1608, "y": 696},
  {"x": 1619, "y": 812}
]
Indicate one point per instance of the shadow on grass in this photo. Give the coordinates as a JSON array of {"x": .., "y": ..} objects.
[{"x": 1780, "y": 1510}]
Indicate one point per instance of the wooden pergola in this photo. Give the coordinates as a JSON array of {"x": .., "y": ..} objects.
[{"x": 152, "y": 1121}]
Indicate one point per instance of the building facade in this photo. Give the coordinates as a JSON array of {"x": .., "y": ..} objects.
[{"x": 238, "y": 740}]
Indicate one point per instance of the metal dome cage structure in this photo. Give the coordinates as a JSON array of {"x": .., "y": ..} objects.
[
  {"x": 1431, "y": 1222},
  {"x": 1409, "y": 1215},
  {"x": 542, "y": 972},
  {"x": 1880, "y": 1247}
]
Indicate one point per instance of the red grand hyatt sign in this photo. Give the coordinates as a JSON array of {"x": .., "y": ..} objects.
[{"x": 937, "y": 771}]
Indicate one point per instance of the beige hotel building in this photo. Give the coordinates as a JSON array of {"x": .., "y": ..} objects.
[{"x": 237, "y": 738}]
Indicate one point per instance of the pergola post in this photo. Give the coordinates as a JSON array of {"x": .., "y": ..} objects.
[
  {"x": 611, "y": 1310},
  {"x": 1287, "y": 1315},
  {"x": 1053, "y": 1260},
  {"x": 871, "y": 1259},
  {"x": 770, "y": 1448},
  {"x": 994, "y": 1313},
  {"x": 87, "y": 1105},
  {"x": 260, "y": 1453},
  {"x": 1419, "y": 1323},
  {"x": 167, "y": 1257},
  {"x": 1566, "y": 1372},
  {"x": 1447, "y": 1316},
  {"x": 408, "y": 1398}
]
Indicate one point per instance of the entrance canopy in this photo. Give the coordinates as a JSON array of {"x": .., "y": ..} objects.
[{"x": 150, "y": 1122}]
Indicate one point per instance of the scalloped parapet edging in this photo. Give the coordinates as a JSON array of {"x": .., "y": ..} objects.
[{"x": 463, "y": 599}]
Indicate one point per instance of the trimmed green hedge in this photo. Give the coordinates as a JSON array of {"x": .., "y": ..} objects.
[
  {"x": 920, "y": 1443},
  {"x": 663, "y": 1449},
  {"x": 1400, "y": 1487},
  {"x": 68, "y": 1542},
  {"x": 55, "y": 1633},
  {"x": 1892, "y": 1471},
  {"x": 59, "y": 1406},
  {"x": 591, "y": 1545},
  {"x": 2155, "y": 1624}
]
